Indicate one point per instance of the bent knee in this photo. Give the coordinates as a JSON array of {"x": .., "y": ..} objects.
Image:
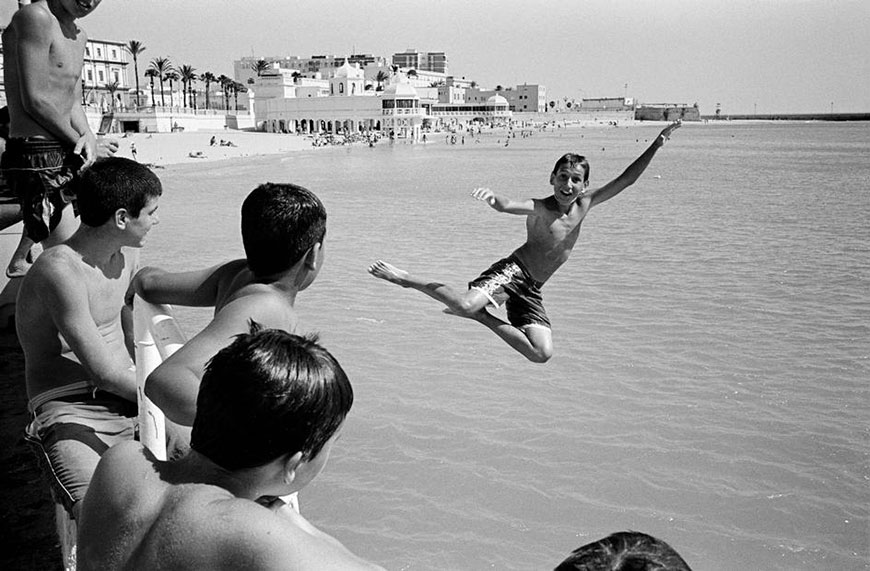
[{"x": 540, "y": 355}]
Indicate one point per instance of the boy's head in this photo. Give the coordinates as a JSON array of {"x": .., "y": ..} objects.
[
  {"x": 112, "y": 184},
  {"x": 572, "y": 161},
  {"x": 280, "y": 223},
  {"x": 268, "y": 394},
  {"x": 625, "y": 551}
]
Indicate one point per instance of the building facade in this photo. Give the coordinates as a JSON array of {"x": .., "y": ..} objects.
[{"x": 425, "y": 61}]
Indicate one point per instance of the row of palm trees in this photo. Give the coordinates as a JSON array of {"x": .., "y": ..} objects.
[{"x": 162, "y": 70}]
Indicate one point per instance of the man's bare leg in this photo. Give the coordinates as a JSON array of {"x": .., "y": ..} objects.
[
  {"x": 535, "y": 344},
  {"x": 20, "y": 262},
  {"x": 65, "y": 228},
  {"x": 463, "y": 304}
]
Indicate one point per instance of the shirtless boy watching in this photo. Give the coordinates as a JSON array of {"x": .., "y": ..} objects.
[
  {"x": 50, "y": 139},
  {"x": 270, "y": 408},
  {"x": 552, "y": 226},
  {"x": 80, "y": 376},
  {"x": 283, "y": 227}
]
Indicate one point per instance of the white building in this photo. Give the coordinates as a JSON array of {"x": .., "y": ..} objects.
[{"x": 340, "y": 104}]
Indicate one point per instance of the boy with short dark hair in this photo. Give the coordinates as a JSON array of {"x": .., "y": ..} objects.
[
  {"x": 80, "y": 376},
  {"x": 269, "y": 410},
  {"x": 553, "y": 226},
  {"x": 283, "y": 228}
]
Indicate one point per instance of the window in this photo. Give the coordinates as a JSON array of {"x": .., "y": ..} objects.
[
  {"x": 90, "y": 75},
  {"x": 114, "y": 54},
  {"x": 99, "y": 52},
  {"x": 101, "y": 76}
]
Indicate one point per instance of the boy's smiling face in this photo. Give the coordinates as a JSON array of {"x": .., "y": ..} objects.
[{"x": 568, "y": 184}]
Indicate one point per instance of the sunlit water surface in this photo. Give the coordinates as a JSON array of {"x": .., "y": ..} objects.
[{"x": 710, "y": 379}]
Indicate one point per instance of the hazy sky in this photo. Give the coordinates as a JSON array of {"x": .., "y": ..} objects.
[{"x": 770, "y": 55}]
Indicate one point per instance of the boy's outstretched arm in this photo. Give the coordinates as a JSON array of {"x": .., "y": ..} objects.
[
  {"x": 630, "y": 175},
  {"x": 502, "y": 204}
]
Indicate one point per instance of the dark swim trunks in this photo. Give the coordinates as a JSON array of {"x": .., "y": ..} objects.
[
  {"x": 41, "y": 172},
  {"x": 507, "y": 281}
]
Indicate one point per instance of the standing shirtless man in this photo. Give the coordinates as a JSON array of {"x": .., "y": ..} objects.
[{"x": 50, "y": 139}]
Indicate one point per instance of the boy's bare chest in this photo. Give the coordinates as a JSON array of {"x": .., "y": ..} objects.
[
  {"x": 556, "y": 227},
  {"x": 66, "y": 57}
]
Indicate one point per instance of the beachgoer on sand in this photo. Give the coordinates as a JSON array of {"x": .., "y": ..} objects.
[
  {"x": 553, "y": 226},
  {"x": 283, "y": 228},
  {"x": 271, "y": 407},
  {"x": 50, "y": 140}
]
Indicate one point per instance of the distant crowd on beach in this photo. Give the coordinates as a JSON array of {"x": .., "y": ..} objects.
[{"x": 253, "y": 410}]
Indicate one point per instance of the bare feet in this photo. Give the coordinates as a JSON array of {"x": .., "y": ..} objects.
[{"x": 389, "y": 272}]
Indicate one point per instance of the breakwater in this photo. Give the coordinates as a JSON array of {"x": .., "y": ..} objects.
[{"x": 791, "y": 117}]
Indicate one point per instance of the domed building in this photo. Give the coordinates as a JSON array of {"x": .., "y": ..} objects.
[{"x": 403, "y": 115}]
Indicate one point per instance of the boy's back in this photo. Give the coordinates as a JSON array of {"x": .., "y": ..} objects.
[{"x": 154, "y": 515}]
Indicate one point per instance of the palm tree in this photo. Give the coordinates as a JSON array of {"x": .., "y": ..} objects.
[
  {"x": 112, "y": 88},
  {"x": 412, "y": 73},
  {"x": 260, "y": 66},
  {"x": 188, "y": 76},
  {"x": 225, "y": 85},
  {"x": 135, "y": 48},
  {"x": 237, "y": 88},
  {"x": 296, "y": 75},
  {"x": 381, "y": 77},
  {"x": 151, "y": 73},
  {"x": 171, "y": 76},
  {"x": 473, "y": 84},
  {"x": 162, "y": 66},
  {"x": 209, "y": 78},
  {"x": 499, "y": 88}
]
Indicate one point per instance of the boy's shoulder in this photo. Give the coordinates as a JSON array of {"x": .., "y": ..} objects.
[
  {"x": 263, "y": 303},
  {"x": 33, "y": 14}
]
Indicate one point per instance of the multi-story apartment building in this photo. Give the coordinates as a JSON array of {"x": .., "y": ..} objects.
[
  {"x": 425, "y": 61},
  {"x": 311, "y": 66},
  {"x": 104, "y": 75}
]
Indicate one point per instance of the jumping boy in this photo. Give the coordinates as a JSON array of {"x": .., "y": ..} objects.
[{"x": 552, "y": 225}]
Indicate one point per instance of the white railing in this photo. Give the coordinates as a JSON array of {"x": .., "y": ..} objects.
[{"x": 157, "y": 336}]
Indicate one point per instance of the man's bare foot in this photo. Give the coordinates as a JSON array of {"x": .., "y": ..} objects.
[
  {"x": 18, "y": 268},
  {"x": 389, "y": 272}
]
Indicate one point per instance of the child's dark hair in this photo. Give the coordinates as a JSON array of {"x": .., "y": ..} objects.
[
  {"x": 267, "y": 394},
  {"x": 573, "y": 161},
  {"x": 114, "y": 183},
  {"x": 280, "y": 223},
  {"x": 625, "y": 551}
]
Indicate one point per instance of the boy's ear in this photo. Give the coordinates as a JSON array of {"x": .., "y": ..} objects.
[
  {"x": 552, "y": 177},
  {"x": 291, "y": 465},
  {"x": 312, "y": 255},
  {"x": 121, "y": 218}
]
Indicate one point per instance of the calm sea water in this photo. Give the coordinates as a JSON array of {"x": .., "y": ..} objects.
[{"x": 712, "y": 336}]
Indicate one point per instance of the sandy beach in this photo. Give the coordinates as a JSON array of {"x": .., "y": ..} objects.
[{"x": 172, "y": 148}]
